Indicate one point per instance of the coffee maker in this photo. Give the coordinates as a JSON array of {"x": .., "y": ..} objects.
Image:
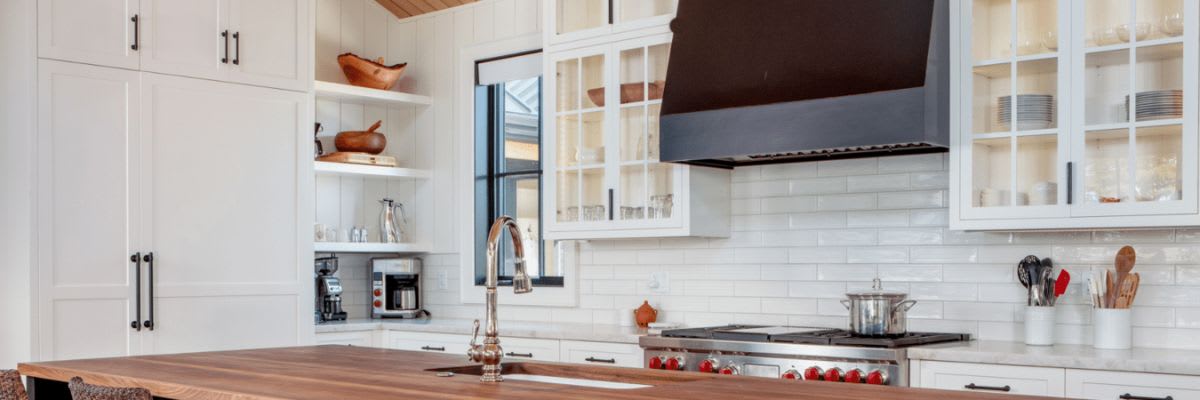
[
  {"x": 329, "y": 290},
  {"x": 396, "y": 288}
]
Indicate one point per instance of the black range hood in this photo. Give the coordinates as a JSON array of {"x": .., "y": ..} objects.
[{"x": 767, "y": 81}]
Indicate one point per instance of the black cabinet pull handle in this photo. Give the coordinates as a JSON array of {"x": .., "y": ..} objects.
[
  {"x": 610, "y": 12},
  {"x": 225, "y": 35},
  {"x": 522, "y": 355},
  {"x": 973, "y": 386},
  {"x": 431, "y": 348},
  {"x": 1070, "y": 182},
  {"x": 149, "y": 259},
  {"x": 237, "y": 48},
  {"x": 601, "y": 360},
  {"x": 136, "y": 258},
  {"x": 1128, "y": 396},
  {"x": 136, "y": 39},
  {"x": 610, "y": 204}
]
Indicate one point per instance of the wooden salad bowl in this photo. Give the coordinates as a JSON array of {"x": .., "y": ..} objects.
[
  {"x": 630, "y": 92},
  {"x": 371, "y": 74}
]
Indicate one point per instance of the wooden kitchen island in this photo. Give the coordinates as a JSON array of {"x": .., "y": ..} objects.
[{"x": 343, "y": 372}]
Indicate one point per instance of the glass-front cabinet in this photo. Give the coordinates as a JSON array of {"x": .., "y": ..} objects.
[
  {"x": 570, "y": 20},
  {"x": 1074, "y": 114},
  {"x": 603, "y": 177}
]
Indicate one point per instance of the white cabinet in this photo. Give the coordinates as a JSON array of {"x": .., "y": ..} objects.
[
  {"x": 201, "y": 174},
  {"x": 88, "y": 162},
  {"x": 99, "y": 32},
  {"x": 599, "y": 353},
  {"x": 431, "y": 342},
  {"x": 604, "y": 179},
  {"x": 360, "y": 339},
  {"x": 519, "y": 349},
  {"x": 1107, "y": 385},
  {"x": 256, "y": 42},
  {"x": 1099, "y": 134},
  {"x": 570, "y": 20},
  {"x": 992, "y": 378}
]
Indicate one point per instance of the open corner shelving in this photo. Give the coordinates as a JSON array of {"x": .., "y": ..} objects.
[
  {"x": 344, "y": 169},
  {"x": 360, "y": 95}
]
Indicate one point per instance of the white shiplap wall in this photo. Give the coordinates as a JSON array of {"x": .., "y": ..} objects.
[
  {"x": 804, "y": 234},
  {"x": 419, "y": 138}
]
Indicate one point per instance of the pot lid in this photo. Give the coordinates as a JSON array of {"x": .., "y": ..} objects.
[{"x": 877, "y": 292}]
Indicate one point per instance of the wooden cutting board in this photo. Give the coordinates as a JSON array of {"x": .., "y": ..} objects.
[{"x": 359, "y": 158}]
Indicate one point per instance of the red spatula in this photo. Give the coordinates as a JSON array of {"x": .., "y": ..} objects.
[{"x": 1060, "y": 284}]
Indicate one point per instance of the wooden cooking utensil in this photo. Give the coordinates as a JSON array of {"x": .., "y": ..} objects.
[{"x": 1126, "y": 257}]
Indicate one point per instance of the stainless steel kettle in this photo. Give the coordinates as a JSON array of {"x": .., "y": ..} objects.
[{"x": 392, "y": 222}]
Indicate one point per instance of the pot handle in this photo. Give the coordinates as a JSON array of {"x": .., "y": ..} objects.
[
  {"x": 846, "y": 303},
  {"x": 906, "y": 305}
]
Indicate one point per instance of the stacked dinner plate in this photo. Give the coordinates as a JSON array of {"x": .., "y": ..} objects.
[
  {"x": 1158, "y": 104},
  {"x": 1034, "y": 111}
]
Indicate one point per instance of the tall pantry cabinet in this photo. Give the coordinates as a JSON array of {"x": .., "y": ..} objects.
[{"x": 168, "y": 206}]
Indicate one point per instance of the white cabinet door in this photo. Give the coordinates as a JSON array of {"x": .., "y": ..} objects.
[
  {"x": 89, "y": 31},
  {"x": 522, "y": 349},
  {"x": 222, "y": 174},
  {"x": 597, "y": 353},
  {"x": 425, "y": 341},
  {"x": 992, "y": 378},
  {"x": 185, "y": 38},
  {"x": 1105, "y": 385},
  {"x": 360, "y": 339},
  {"x": 270, "y": 43},
  {"x": 88, "y": 140}
]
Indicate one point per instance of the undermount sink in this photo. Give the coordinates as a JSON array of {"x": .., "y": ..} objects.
[{"x": 575, "y": 375}]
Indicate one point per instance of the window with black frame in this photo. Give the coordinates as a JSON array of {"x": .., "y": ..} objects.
[{"x": 508, "y": 166}]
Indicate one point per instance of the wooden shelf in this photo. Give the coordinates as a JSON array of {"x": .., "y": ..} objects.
[
  {"x": 361, "y": 95},
  {"x": 343, "y": 247},
  {"x": 344, "y": 169}
]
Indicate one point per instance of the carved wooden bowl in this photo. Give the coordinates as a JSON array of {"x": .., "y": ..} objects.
[{"x": 371, "y": 74}]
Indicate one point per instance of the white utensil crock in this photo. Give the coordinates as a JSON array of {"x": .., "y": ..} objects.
[
  {"x": 1039, "y": 326},
  {"x": 1113, "y": 328}
]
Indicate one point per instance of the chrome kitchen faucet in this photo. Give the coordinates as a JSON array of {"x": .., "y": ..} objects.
[{"x": 489, "y": 353}]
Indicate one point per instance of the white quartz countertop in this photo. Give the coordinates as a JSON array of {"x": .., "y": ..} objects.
[
  {"x": 536, "y": 330},
  {"x": 1164, "y": 361}
]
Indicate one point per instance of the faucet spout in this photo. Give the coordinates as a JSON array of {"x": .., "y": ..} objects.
[{"x": 489, "y": 352}]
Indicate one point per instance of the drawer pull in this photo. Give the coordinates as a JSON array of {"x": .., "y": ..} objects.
[
  {"x": 431, "y": 348},
  {"x": 1128, "y": 396},
  {"x": 972, "y": 386},
  {"x": 522, "y": 355},
  {"x": 601, "y": 360}
]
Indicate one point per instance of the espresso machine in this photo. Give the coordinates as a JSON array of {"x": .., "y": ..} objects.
[
  {"x": 329, "y": 290},
  {"x": 396, "y": 288}
]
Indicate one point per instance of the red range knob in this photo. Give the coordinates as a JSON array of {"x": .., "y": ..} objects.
[
  {"x": 378, "y": 304},
  {"x": 656, "y": 362},
  {"x": 675, "y": 364},
  {"x": 378, "y": 293},
  {"x": 813, "y": 373},
  {"x": 730, "y": 370},
  {"x": 854, "y": 376},
  {"x": 708, "y": 366},
  {"x": 877, "y": 378},
  {"x": 790, "y": 374},
  {"x": 833, "y": 375}
]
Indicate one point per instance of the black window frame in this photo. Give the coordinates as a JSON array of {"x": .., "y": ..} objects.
[{"x": 490, "y": 169}]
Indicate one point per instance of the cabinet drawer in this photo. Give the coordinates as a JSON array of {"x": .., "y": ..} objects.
[
  {"x": 992, "y": 378},
  {"x": 363, "y": 339},
  {"x": 519, "y": 349},
  {"x": 1105, "y": 385},
  {"x": 597, "y": 353},
  {"x": 431, "y": 342}
]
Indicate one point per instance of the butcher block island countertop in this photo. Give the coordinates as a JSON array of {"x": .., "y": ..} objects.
[{"x": 343, "y": 372}]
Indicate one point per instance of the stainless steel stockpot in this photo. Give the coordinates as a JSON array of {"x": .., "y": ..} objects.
[{"x": 878, "y": 313}]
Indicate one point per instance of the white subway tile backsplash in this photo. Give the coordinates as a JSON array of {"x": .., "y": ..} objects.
[
  {"x": 855, "y": 166},
  {"x": 846, "y": 272},
  {"x": 910, "y": 272},
  {"x": 921, "y": 162},
  {"x": 817, "y": 186},
  {"x": 911, "y": 236},
  {"x": 746, "y": 206},
  {"x": 817, "y": 220},
  {"x": 789, "y": 238},
  {"x": 906, "y": 200},
  {"x": 1187, "y": 317},
  {"x": 1136, "y": 236},
  {"x": 760, "y": 319},
  {"x": 944, "y": 291},
  {"x": 832, "y": 308},
  {"x": 746, "y": 174},
  {"x": 760, "y": 222},
  {"x": 966, "y": 237},
  {"x": 877, "y": 254},
  {"x": 760, "y": 255},
  {"x": 876, "y": 219},
  {"x": 807, "y": 255},
  {"x": 613, "y": 287},
  {"x": 747, "y": 190},
  {"x": 760, "y": 288},
  {"x": 735, "y": 304},
  {"x": 789, "y": 272},
  {"x": 929, "y": 218},
  {"x": 1151, "y": 317},
  {"x": 846, "y": 237},
  {"x": 789, "y": 306},
  {"x": 1187, "y": 275},
  {"x": 659, "y": 257},
  {"x": 614, "y": 257},
  {"x": 930, "y": 180},
  {"x": 944, "y": 254},
  {"x": 843, "y": 202},
  {"x": 790, "y": 170},
  {"x": 1000, "y": 312},
  {"x": 784, "y": 205},
  {"x": 877, "y": 183},
  {"x": 817, "y": 290}
]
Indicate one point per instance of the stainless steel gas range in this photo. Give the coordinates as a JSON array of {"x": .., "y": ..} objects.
[{"x": 788, "y": 352}]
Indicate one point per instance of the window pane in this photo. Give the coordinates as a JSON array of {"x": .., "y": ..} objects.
[
  {"x": 519, "y": 198},
  {"x": 522, "y": 129}
]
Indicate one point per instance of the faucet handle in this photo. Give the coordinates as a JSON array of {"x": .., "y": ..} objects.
[{"x": 472, "y": 350}]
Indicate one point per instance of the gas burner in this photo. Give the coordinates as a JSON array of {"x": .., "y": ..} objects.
[
  {"x": 704, "y": 333},
  {"x": 842, "y": 337}
]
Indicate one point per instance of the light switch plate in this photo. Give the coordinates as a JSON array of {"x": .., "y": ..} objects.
[
  {"x": 441, "y": 281},
  {"x": 660, "y": 282}
]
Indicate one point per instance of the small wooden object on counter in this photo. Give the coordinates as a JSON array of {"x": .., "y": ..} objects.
[
  {"x": 367, "y": 141},
  {"x": 372, "y": 74},
  {"x": 359, "y": 158},
  {"x": 644, "y": 315}
]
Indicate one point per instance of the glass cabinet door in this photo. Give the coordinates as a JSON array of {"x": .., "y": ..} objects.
[
  {"x": 579, "y": 134},
  {"x": 632, "y": 11},
  {"x": 1016, "y": 150},
  {"x": 1135, "y": 123},
  {"x": 645, "y": 188}
]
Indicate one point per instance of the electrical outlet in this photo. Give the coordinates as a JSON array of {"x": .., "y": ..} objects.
[
  {"x": 660, "y": 282},
  {"x": 442, "y": 283}
]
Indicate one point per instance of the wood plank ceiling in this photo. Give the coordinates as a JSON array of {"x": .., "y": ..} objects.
[{"x": 408, "y": 8}]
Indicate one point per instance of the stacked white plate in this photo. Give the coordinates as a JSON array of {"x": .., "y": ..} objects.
[
  {"x": 1158, "y": 104},
  {"x": 1034, "y": 111}
]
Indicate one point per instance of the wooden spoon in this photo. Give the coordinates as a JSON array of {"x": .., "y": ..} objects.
[{"x": 1126, "y": 257}]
